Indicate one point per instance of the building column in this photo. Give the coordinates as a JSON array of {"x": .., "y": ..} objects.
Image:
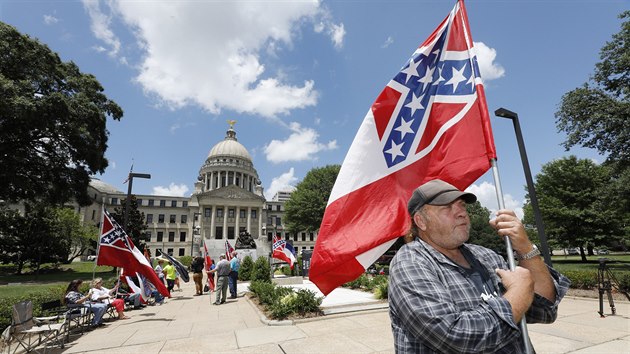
[
  {"x": 237, "y": 217},
  {"x": 210, "y": 178},
  {"x": 260, "y": 223},
  {"x": 249, "y": 219},
  {"x": 212, "y": 225},
  {"x": 225, "y": 211}
]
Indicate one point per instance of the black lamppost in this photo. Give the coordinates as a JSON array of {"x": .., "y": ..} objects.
[
  {"x": 195, "y": 231},
  {"x": 504, "y": 113},
  {"x": 128, "y": 201}
]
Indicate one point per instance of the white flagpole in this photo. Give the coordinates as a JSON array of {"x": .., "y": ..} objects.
[{"x": 510, "y": 250}]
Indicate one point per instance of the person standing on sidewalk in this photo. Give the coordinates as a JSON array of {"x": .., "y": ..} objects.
[
  {"x": 197, "y": 269},
  {"x": 171, "y": 275},
  {"x": 235, "y": 264},
  {"x": 223, "y": 271},
  {"x": 448, "y": 296}
]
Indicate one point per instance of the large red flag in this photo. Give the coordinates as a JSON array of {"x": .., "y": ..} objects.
[
  {"x": 431, "y": 121},
  {"x": 117, "y": 250}
]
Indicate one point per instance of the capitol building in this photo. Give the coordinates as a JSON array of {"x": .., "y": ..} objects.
[{"x": 228, "y": 199}]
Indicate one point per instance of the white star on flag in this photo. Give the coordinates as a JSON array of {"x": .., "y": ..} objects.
[
  {"x": 395, "y": 150},
  {"x": 458, "y": 76},
  {"x": 404, "y": 128},
  {"x": 411, "y": 70},
  {"x": 415, "y": 104}
]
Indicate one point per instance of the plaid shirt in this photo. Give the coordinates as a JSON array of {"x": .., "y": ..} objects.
[{"x": 435, "y": 308}]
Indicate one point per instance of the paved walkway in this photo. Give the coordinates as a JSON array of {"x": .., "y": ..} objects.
[{"x": 190, "y": 324}]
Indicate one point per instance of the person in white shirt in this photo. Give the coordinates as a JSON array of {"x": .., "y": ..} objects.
[{"x": 104, "y": 295}]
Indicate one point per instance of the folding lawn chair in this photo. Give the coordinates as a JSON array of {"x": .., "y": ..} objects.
[{"x": 29, "y": 332}]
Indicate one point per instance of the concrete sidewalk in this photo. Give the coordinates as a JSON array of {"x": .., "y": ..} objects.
[{"x": 190, "y": 324}]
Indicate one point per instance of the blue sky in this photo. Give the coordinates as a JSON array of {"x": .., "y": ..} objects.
[{"x": 299, "y": 76}]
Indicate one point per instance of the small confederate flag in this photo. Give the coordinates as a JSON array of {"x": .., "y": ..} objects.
[
  {"x": 228, "y": 250},
  {"x": 431, "y": 121},
  {"x": 207, "y": 263},
  {"x": 117, "y": 250},
  {"x": 283, "y": 251}
]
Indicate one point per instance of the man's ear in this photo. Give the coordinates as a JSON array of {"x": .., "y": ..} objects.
[{"x": 419, "y": 221}]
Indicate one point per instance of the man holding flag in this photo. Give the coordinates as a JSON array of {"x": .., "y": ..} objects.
[
  {"x": 447, "y": 296},
  {"x": 431, "y": 123}
]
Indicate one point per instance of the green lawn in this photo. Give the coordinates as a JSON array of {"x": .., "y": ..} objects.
[
  {"x": 619, "y": 262},
  {"x": 49, "y": 276}
]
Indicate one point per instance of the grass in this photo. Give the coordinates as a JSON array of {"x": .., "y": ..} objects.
[
  {"x": 573, "y": 263},
  {"x": 49, "y": 276}
]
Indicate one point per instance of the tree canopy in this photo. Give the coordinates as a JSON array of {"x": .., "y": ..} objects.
[
  {"x": 53, "y": 132},
  {"x": 597, "y": 115},
  {"x": 136, "y": 226},
  {"x": 577, "y": 203},
  {"x": 305, "y": 209}
]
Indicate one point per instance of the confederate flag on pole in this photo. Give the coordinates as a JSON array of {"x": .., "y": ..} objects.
[
  {"x": 431, "y": 121},
  {"x": 117, "y": 250}
]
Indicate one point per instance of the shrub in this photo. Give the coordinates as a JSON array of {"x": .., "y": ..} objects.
[
  {"x": 380, "y": 291},
  {"x": 185, "y": 260},
  {"x": 306, "y": 301},
  {"x": 37, "y": 297},
  {"x": 282, "y": 301},
  {"x": 624, "y": 282},
  {"x": 245, "y": 271},
  {"x": 264, "y": 291},
  {"x": 280, "y": 311},
  {"x": 582, "y": 279},
  {"x": 286, "y": 270},
  {"x": 261, "y": 270},
  {"x": 357, "y": 283}
]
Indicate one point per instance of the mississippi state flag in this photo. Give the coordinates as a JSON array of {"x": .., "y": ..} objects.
[
  {"x": 431, "y": 121},
  {"x": 283, "y": 251},
  {"x": 117, "y": 250},
  {"x": 207, "y": 263}
]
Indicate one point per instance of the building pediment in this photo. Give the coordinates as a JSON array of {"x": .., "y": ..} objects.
[{"x": 231, "y": 192}]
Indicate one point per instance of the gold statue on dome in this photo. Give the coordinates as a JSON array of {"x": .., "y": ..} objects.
[{"x": 231, "y": 123}]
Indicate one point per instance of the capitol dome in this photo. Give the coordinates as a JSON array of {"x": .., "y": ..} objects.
[{"x": 230, "y": 147}]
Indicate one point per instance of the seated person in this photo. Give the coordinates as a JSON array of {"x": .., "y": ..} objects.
[
  {"x": 73, "y": 297},
  {"x": 104, "y": 295},
  {"x": 128, "y": 295}
]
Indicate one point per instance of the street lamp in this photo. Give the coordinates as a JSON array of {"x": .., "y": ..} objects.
[
  {"x": 195, "y": 231},
  {"x": 504, "y": 113},
  {"x": 128, "y": 201}
]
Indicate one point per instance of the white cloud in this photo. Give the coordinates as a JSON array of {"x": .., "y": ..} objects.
[
  {"x": 100, "y": 26},
  {"x": 337, "y": 34},
  {"x": 301, "y": 145},
  {"x": 389, "y": 41},
  {"x": 208, "y": 53},
  {"x": 284, "y": 182},
  {"x": 487, "y": 196},
  {"x": 173, "y": 190},
  {"x": 50, "y": 19},
  {"x": 485, "y": 57}
]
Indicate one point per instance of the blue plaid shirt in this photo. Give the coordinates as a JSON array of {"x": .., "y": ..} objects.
[{"x": 435, "y": 308}]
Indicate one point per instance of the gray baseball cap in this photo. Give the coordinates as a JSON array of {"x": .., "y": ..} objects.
[{"x": 436, "y": 192}]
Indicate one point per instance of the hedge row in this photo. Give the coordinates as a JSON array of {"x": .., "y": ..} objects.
[{"x": 281, "y": 302}]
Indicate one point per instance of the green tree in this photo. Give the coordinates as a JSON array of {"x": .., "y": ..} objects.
[
  {"x": 305, "y": 208},
  {"x": 261, "y": 270},
  {"x": 245, "y": 271},
  {"x": 26, "y": 238},
  {"x": 481, "y": 233},
  {"x": 52, "y": 123},
  {"x": 75, "y": 237},
  {"x": 574, "y": 203},
  {"x": 136, "y": 225},
  {"x": 597, "y": 115}
]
